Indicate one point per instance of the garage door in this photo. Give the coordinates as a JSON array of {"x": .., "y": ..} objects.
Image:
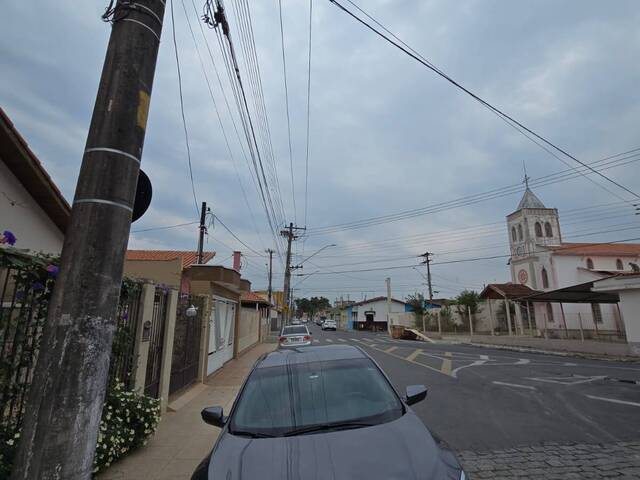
[{"x": 221, "y": 333}]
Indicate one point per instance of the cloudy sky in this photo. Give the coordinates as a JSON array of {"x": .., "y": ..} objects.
[{"x": 387, "y": 135}]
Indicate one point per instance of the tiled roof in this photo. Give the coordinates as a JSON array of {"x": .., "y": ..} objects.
[
  {"x": 188, "y": 258},
  {"x": 377, "y": 299},
  {"x": 598, "y": 249},
  {"x": 251, "y": 297},
  {"x": 511, "y": 290},
  {"x": 529, "y": 200}
]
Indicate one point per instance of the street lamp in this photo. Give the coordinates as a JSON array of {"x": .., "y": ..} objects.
[{"x": 314, "y": 254}]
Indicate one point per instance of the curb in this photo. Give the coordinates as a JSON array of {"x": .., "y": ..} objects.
[{"x": 590, "y": 356}]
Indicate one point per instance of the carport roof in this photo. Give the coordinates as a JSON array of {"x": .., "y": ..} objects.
[
  {"x": 500, "y": 291},
  {"x": 581, "y": 293}
]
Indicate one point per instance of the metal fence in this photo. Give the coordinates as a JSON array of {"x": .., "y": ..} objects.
[
  {"x": 26, "y": 283},
  {"x": 156, "y": 341}
]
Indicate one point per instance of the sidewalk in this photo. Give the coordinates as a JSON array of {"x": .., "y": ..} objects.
[{"x": 183, "y": 439}]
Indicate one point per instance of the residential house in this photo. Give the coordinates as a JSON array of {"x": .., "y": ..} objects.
[
  {"x": 372, "y": 314},
  {"x": 31, "y": 205},
  {"x": 254, "y": 320}
]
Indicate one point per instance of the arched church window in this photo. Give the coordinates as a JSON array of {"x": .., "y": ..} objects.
[
  {"x": 619, "y": 265},
  {"x": 545, "y": 278},
  {"x": 538, "y": 228},
  {"x": 548, "y": 232},
  {"x": 513, "y": 234},
  {"x": 520, "y": 232},
  {"x": 589, "y": 264}
]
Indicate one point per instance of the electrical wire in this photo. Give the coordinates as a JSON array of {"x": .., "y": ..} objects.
[
  {"x": 184, "y": 120},
  {"x": 306, "y": 161},
  {"x": 164, "y": 228},
  {"x": 430, "y": 66},
  {"x": 286, "y": 99}
]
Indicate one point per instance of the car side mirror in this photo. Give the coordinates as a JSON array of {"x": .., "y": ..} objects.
[
  {"x": 213, "y": 416},
  {"x": 415, "y": 394}
]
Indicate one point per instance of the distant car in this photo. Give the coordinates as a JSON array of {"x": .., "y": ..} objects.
[
  {"x": 323, "y": 412},
  {"x": 295, "y": 336},
  {"x": 319, "y": 321},
  {"x": 296, "y": 322},
  {"x": 329, "y": 325}
]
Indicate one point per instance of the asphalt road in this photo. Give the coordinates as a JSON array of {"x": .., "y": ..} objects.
[{"x": 483, "y": 399}]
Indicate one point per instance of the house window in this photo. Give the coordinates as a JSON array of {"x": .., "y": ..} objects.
[
  {"x": 545, "y": 278},
  {"x": 619, "y": 265},
  {"x": 548, "y": 231},
  {"x": 549, "y": 313},
  {"x": 538, "y": 228},
  {"x": 513, "y": 234},
  {"x": 596, "y": 311},
  {"x": 519, "y": 232},
  {"x": 589, "y": 264}
]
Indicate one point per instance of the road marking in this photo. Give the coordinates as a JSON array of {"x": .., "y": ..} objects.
[
  {"x": 446, "y": 364},
  {"x": 391, "y": 349},
  {"x": 484, "y": 357},
  {"x": 412, "y": 356},
  {"x": 573, "y": 380},
  {"x": 369, "y": 340},
  {"x": 341, "y": 340},
  {"x": 316, "y": 341},
  {"x": 522, "y": 361},
  {"x": 569, "y": 364},
  {"x": 454, "y": 373},
  {"x": 613, "y": 400},
  {"x": 528, "y": 387},
  {"x": 329, "y": 340}
]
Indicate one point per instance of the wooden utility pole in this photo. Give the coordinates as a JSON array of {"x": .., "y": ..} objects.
[
  {"x": 60, "y": 431},
  {"x": 388, "y": 304},
  {"x": 270, "y": 291},
  {"x": 427, "y": 262},
  {"x": 203, "y": 229}
]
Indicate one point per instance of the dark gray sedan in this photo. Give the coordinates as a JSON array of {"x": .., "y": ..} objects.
[{"x": 323, "y": 412}]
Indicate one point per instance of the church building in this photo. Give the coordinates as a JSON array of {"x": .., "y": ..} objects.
[{"x": 542, "y": 261}]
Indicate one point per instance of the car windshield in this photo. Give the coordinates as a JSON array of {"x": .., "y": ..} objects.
[
  {"x": 301, "y": 330},
  {"x": 279, "y": 400}
]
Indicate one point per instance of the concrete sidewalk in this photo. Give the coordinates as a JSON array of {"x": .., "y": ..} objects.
[{"x": 183, "y": 439}]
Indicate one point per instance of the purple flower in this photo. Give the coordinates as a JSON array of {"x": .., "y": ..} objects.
[
  {"x": 125, "y": 317},
  {"x": 20, "y": 294},
  {"x": 37, "y": 286},
  {"x": 53, "y": 270},
  {"x": 8, "y": 237}
]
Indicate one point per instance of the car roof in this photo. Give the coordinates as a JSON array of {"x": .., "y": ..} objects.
[{"x": 310, "y": 354}]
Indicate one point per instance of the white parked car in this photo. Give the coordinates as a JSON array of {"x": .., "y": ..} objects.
[
  {"x": 329, "y": 325},
  {"x": 295, "y": 336}
]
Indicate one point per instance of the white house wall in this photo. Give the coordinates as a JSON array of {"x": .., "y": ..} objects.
[
  {"x": 32, "y": 227},
  {"x": 380, "y": 309}
]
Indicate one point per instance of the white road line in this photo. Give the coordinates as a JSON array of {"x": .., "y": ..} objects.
[
  {"x": 391, "y": 349},
  {"x": 613, "y": 400},
  {"x": 454, "y": 374},
  {"x": 484, "y": 357},
  {"x": 528, "y": 387},
  {"x": 329, "y": 340},
  {"x": 316, "y": 341},
  {"x": 522, "y": 361},
  {"x": 413, "y": 355}
]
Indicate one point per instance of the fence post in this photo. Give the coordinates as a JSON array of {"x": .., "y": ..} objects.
[
  {"x": 167, "y": 348},
  {"x": 470, "y": 321},
  {"x": 508, "y": 312},
  {"x": 141, "y": 345},
  {"x": 207, "y": 307},
  {"x": 580, "y": 324},
  {"x": 439, "y": 325},
  {"x": 544, "y": 316},
  {"x": 529, "y": 319},
  {"x": 493, "y": 332},
  {"x": 564, "y": 322}
]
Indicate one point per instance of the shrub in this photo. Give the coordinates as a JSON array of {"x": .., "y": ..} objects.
[
  {"x": 128, "y": 419},
  {"x": 9, "y": 437}
]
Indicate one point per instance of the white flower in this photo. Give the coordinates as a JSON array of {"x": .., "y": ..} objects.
[{"x": 10, "y": 441}]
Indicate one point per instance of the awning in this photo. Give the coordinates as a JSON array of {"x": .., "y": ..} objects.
[
  {"x": 581, "y": 293},
  {"x": 501, "y": 291}
]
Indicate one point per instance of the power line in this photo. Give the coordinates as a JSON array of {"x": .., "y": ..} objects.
[
  {"x": 306, "y": 163},
  {"x": 561, "y": 176},
  {"x": 235, "y": 236},
  {"x": 286, "y": 98},
  {"x": 430, "y": 66},
  {"x": 184, "y": 120},
  {"x": 163, "y": 228}
]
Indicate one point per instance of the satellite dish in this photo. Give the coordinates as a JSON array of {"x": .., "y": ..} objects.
[{"x": 143, "y": 196}]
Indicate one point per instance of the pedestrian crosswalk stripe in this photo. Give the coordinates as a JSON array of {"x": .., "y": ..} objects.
[
  {"x": 391, "y": 349},
  {"x": 329, "y": 340},
  {"x": 341, "y": 340},
  {"x": 316, "y": 341},
  {"x": 413, "y": 355}
]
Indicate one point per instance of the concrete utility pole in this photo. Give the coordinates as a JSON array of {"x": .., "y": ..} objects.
[
  {"x": 388, "y": 304},
  {"x": 427, "y": 262},
  {"x": 64, "y": 407},
  {"x": 203, "y": 229},
  {"x": 270, "y": 290},
  {"x": 288, "y": 233}
]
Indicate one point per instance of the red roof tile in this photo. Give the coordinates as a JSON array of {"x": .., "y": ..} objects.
[
  {"x": 188, "y": 258},
  {"x": 598, "y": 249},
  {"x": 251, "y": 297}
]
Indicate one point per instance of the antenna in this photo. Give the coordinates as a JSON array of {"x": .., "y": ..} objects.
[{"x": 526, "y": 177}]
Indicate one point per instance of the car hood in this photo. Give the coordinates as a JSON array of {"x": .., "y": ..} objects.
[{"x": 401, "y": 449}]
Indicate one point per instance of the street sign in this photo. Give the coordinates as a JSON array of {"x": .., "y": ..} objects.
[{"x": 143, "y": 196}]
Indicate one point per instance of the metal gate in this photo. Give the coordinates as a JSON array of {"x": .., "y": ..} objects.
[
  {"x": 156, "y": 340},
  {"x": 186, "y": 344}
]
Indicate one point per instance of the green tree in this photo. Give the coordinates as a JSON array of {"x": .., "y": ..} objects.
[
  {"x": 468, "y": 300},
  {"x": 311, "y": 306},
  {"x": 416, "y": 301}
]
